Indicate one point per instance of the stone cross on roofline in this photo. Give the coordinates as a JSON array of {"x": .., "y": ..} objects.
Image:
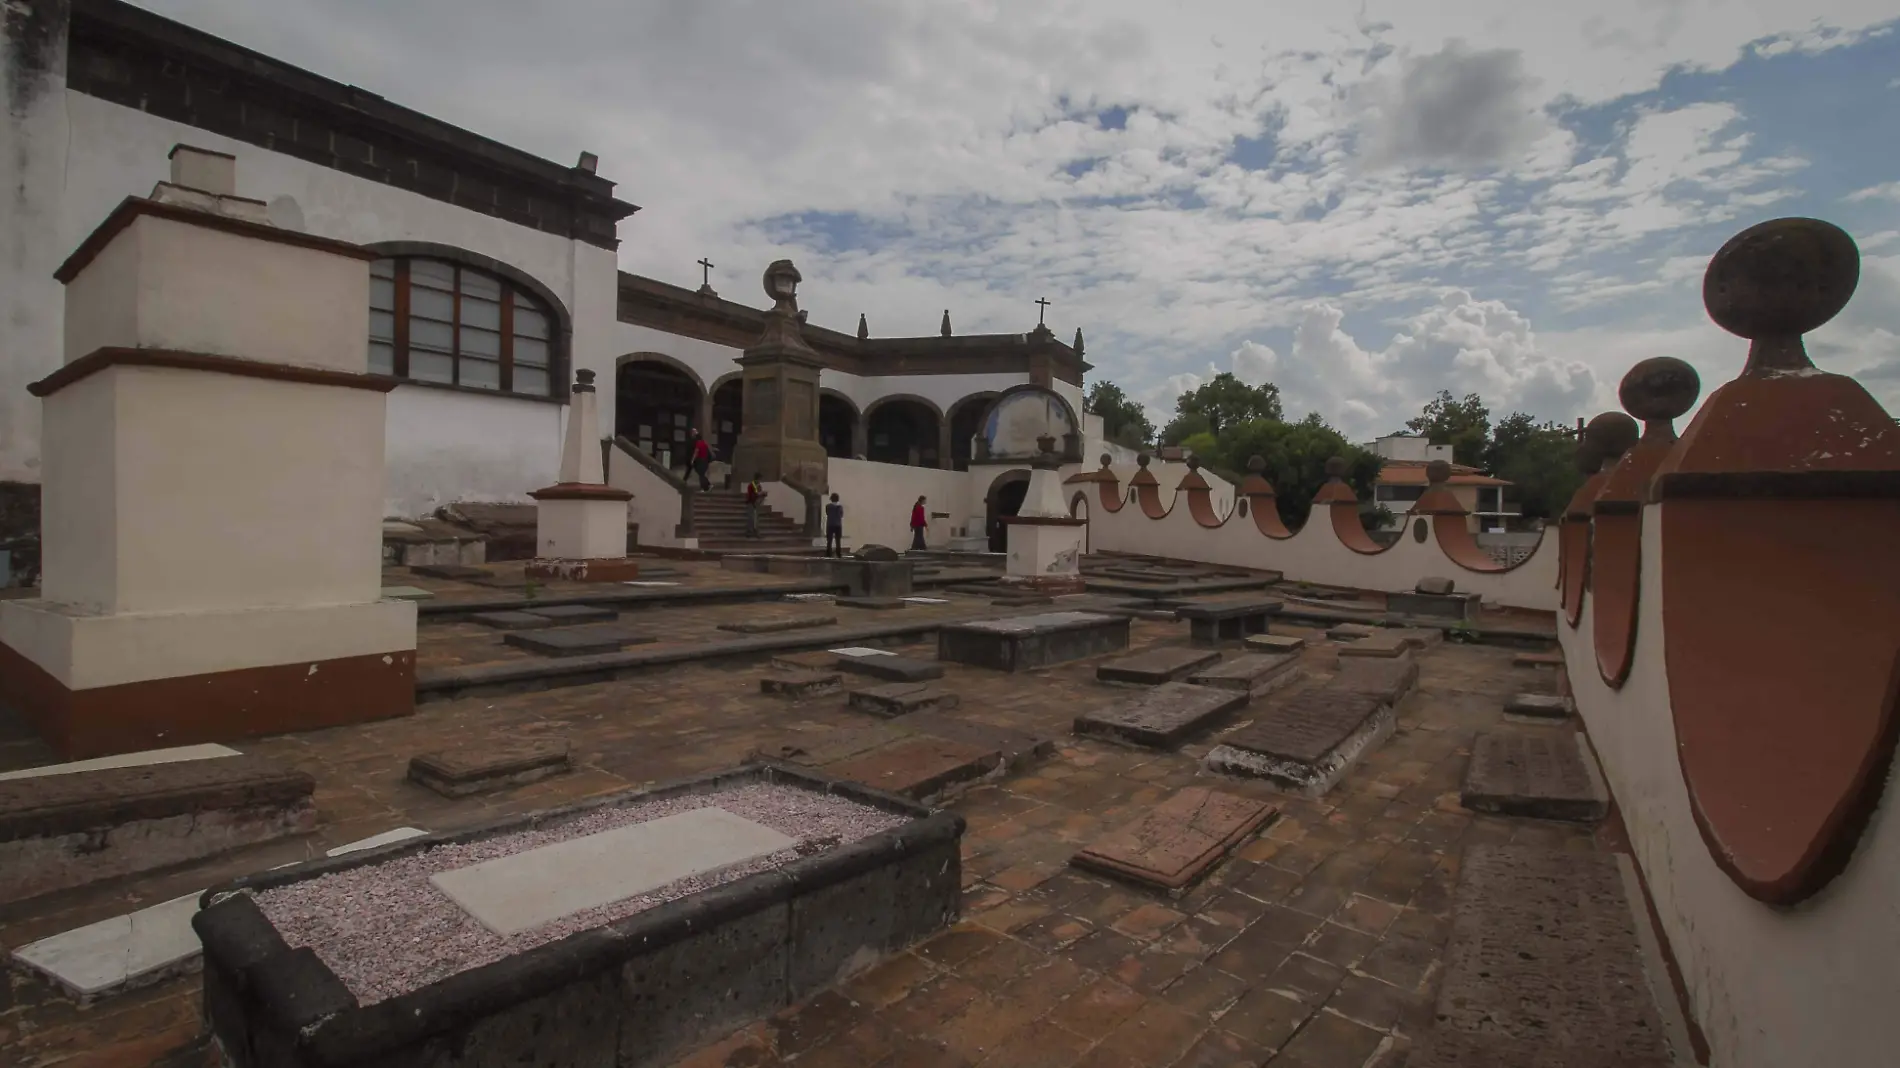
[{"x": 1042, "y": 307}]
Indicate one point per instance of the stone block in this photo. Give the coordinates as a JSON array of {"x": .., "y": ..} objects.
[
  {"x": 522, "y": 891},
  {"x": 1541, "y": 774},
  {"x": 1385, "y": 646},
  {"x": 798, "y": 685},
  {"x": 574, "y": 613},
  {"x": 778, "y": 626},
  {"x": 891, "y": 668},
  {"x": 901, "y": 699},
  {"x": 1275, "y": 643},
  {"x": 486, "y": 768},
  {"x": 876, "y": 552},
  {"x": 1436, "y": 587},
  {"x": 1539, "y": 705},
  {"x": 1161, "y": 718},
  {"x": 578, "y": 641},
  {"x": 1228, "y": 619},
  {"x": 920, "y": 768},
  {"x": 1455, "y": 607},
  {"x": 1025, "y": 643},
  {"x": 1351, "y": 632},
  {"x": 1172, "y": 846},
  {"x": 1152, "y": 667},
  {"x": 1308, "y": 743},
  {"x": 1256, "y": 673},
  {"x": 512, "y": 620}
]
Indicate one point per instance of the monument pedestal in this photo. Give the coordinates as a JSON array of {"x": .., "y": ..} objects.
[
  {"x": 778, "y": 440},
  {"x": 580, "y": 522},
  {"x": 1045, "y": 553},
  {"x": 212, "y": 488}
]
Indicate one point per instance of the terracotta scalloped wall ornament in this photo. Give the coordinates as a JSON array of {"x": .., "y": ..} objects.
[
  {"x": 1605, "y": 440},
  {"x": 1780, "y": 583},
  {"x": 1339, "y": 500},
  {"x": 1262, "y": 500},
  {"x": 1200, "y": 498},
  {"x": 1657, "y": 391},
  {"x": 1146, "y": 489}
]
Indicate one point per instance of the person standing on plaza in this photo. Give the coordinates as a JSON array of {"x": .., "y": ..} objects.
[
  {"x": 919, "y": 519},
  {"x": 834, "y": 528},
  {"x": 702, "y": 459},
  {"x": 754, "y": 496}
]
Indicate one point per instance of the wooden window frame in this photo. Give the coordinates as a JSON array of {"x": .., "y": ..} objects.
[{"x": 510, "y": 293}]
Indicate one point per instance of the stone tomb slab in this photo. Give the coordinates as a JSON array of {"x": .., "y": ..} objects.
[
  {"x": 801, "y": 683},
  {"x": 900, "y": 698},
  {"x": 1389, "y": 680},
  {"x": 1228, "y": 619},
  {"x": 1025, "y": 643},
  {"x": 574, "y": 613},
  {"x": 522, "y": 891},
  {"x": 1161, "y": 718},
  {"x": 1152, "y": 667},
  {"x": 1384, "y": 646},
  {"x": 875, "y": 604},
  {"x": 487, "y": 768},
  {"x": 1018, "y": 748},
  {"x": 578, "y": 641},
  {"x": 1542, "y": 774},
  {"x": 1275, "y": 643},
  {"x": 921, "y": 767},
  {"x": 1256, "y": 673},
  {"x": 1308, "y": 743},
  {"x": 776, "y": 626},
  {"x": 890, "y": 667},
  {"x": 1539, "y": 706},
  {"x": 512, "y": 620},
  {"x": 1174, "y": 845}
]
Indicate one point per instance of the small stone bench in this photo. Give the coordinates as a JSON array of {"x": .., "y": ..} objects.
[
  {"x": 1160, "y": 718},
  {"x": 1211, "y": 622},
  {"x": 66, "y": 830},
  {"x": 486, "y": 768},
  {"x": 1152, "y": 667}
]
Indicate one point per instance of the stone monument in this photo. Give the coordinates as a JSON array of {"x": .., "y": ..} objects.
[
  {"x": 580, "y": 524},
  {"x": 213, "y": 486},
  {"x": 1045, "y": 544},
  {"x": 779, "y": 437}
]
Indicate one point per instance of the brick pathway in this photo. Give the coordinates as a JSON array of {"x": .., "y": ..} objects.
[{"x": 1316, "y": 944}]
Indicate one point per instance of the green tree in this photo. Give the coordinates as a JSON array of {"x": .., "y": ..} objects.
[
  {"x": 1539, "y": 460},
  {"x": 1465, "y": 425},
  {"x": 1219, "y": 404},
  {"x": 1296, "y": 455},
  {"x": 1124, "y": 420}
]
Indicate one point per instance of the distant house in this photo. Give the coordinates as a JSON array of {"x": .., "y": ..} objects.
[{"x": 1402, "y": 481}]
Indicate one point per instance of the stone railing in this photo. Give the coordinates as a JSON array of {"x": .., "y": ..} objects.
[
  {"x": 1731, "y": 626},
  {"x": 1332, "y": 548}
]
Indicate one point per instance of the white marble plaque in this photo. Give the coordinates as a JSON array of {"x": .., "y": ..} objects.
[
  {"x": 522, "y": 891},
  {"x": 127, "y": 760}
]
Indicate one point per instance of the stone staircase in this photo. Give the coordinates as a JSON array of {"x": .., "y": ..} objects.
[{"x": 719, "y": 520}]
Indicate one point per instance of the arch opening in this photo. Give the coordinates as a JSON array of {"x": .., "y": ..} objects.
[
  {"x": 837, "y": 426},
  {"x": 966, "y": 422},
  {"x": 903, "y": 431},
  {"x": 1005, "y": 498},
  {"x": 728, "y": 415},
  {"x": 655, "y": 404}
]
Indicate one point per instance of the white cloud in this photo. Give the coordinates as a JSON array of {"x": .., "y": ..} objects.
[{"x": 1884, "y": 191}]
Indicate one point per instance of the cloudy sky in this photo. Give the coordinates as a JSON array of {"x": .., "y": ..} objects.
[{"x": 1360, "y": 205}]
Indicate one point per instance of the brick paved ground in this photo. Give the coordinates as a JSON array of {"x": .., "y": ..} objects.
[{"x": 1316, "y": 945}]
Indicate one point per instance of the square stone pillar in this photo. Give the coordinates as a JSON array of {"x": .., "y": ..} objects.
[
  {"x": 1044, "y": 543},
  {"x": 213, "y": 487},
  {"x": 779, "y": 438},
  {"x": 581, "y": 522}
]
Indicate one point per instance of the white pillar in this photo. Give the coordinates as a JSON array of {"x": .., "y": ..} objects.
[{"x": 580, "y": 521}]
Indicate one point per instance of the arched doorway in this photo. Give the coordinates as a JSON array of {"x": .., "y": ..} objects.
[
  {"x": 966, "y": 421},
  {"x": 1005, "y": 498},
  {"x": 1079, "y": 509},
  {"x": 655, "y": 404},
  {"x": 903, "y": 430},
  {"x": 728, "y": 414},
  {"x": 837, "y": 424}
]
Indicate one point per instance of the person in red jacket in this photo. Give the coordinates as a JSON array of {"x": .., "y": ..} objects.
[
  {"x": 702, "y": 458},
  {"x": 918, "y": 521}
]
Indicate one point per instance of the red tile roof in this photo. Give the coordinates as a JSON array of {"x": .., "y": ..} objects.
[{"x": 1412, "y": 473}]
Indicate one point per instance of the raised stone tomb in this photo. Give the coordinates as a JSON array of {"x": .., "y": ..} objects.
[
  {"x": 1308, "y": 743},
  {"x": 777, "y": 626},
  {"x": 1275, "y": 643},
  {"x": 924, "y": 767},
  {"x": 1386, "y": 646},
  {"x": 1389, "y": 679},
  {"x": 1229, "y": 619},
  {"x": 574, "y": 613},
  {"x": 1174, "y": 845},
  {"x": 1161, "y": 718},
  {"x": 485, "y": 768},
  {"x": 579, "y": 641},
  {"x": 900, "y": 698},
  {"x": 1540, "y": 773},
  {"x": 877, "y": 664},
  {"x": 1025, "y": 643},
  {"x": 66, "y": 830},
  {"x": 1256, "y": 673},
  {"x": 644, "y": 925},
  {"x": 799, "y": 683},
  {"x": 1152, "y": 667}
]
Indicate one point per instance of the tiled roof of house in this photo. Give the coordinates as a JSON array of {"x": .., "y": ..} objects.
[{"x": 1412, "y": 473}]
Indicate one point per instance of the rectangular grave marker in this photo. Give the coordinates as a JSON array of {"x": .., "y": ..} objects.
[
  {"x": 900, "y": 699},
  {"x": 487, "y": 768},
  {"x": 1256, "y": 673},
  {"x": 511, "y": 620},
  {"x": 1308, "y": 743},
  {"x": 919, "y": 768},
  {"x": 1539, "y": 705},
  {"x": 522, "y": 891},
  {"x": 800, "y": 684},
  {"x": 574, "y": 613},
  {"x": 1152, "y": 667},
  {"x": 1171, "y": 847},
  {"x": 119, "y": 954},
  {"x": 578, "y": 641},
  {"x": 1162, "y": 717},
  {"x": 777, "y": 626},
  {"x": 891, "y": 667},
  {"x": 1024, "y": 643},
  {"x": 1275, "y": 643},
  {"x": 1542, "y": 775},
  {"x": 1351, "y": 632},
  {"x": 1383, "y": 646}
]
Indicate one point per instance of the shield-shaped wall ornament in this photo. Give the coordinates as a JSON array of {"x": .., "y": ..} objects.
[{"x": 1780, "y": 586}]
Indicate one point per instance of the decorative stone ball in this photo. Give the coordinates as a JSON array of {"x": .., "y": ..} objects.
[
  {"x": 1612, "y": 433},
  {"x": 1194, "y": 463},
  {"x": 584, "y": 376},
  {"x": 1781, "y": 278},
  {"x": 1589, "y": 457},
  {"x": 781, "y": 280},
  {"x": 1659, "y": 388},
  {"x": 1142, "y": 460},
  {"x": 1438, "y": 472},
  {"x": 1107, "y": 459},
  {"x": 1256, "y": 463},
  {"x": 1336, "y": 467}
]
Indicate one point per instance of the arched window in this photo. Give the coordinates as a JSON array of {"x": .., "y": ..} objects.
[{"x": 444, "y": 323}]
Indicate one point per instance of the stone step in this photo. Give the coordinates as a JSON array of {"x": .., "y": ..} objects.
[
  {"x": 1545, "y": 967},
  {"x": 1536, "y": 773}
]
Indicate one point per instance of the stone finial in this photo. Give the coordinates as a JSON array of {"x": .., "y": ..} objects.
[
  {"x": 583, "y": 381},
  {"x": 1589, "y": 456},
  {"x": 1336, "y": 468},
  {"x": 864, "y": 328},
  {"x": 1078, "y": 341},
  {"x": 1193, "y": 462},
  {"x": 1775, "y": 281},
  {"x": 1613, "y": 433},
  {"x": 1143, "y": 460},
  {"x": 781, "y": 284},
  {"x": 1046, "y": 443},
  {"x": 1257, "y": 464},
  {"x": 1658, "y": 391},
  {"x": 944, "y": 329},
  {"x": 1438, "y": 472},
  {"x": 1107, "y": 459}
]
